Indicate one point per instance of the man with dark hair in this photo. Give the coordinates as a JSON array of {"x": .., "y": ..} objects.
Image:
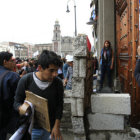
[
  {"x": 44, "y": 83},
  {"x": 8, "y": 84}
]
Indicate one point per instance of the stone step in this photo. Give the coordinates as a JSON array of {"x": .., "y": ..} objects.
[{"x": 111, "y": 103}]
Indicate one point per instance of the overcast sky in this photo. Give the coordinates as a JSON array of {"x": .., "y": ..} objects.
[{"x": 33, "y": 21}]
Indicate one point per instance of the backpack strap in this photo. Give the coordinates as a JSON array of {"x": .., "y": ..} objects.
[{"x": 29, "y": 79}]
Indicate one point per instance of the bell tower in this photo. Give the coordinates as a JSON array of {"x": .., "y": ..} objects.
[{"x": 57, "y": 38}]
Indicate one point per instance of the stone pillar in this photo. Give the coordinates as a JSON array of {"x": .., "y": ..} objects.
[
  {"x": 106, "y": 23},
  {"x": 79, "y": 96},
  {"x": 100, "y": 27},
  {"x": 78, "y": 87}
]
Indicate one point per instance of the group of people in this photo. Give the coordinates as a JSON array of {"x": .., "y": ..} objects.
[
  {"x": 43, "y": 81},
  {"x": 42, "y": 77}
]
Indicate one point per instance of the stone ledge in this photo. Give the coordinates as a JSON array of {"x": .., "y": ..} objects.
[
  {"x": 78, "y": 87},
  {"x": 78, "y": 125},
  {"x": 111, "y": 103},
  {"x": 99, "y": 121},
  {"x": 109, "y": 136}
]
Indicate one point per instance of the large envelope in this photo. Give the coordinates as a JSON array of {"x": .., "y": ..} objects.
[{"x": 41, "y": 109}]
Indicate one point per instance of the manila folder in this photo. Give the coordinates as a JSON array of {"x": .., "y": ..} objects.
[{"x": 41, "y": 109}]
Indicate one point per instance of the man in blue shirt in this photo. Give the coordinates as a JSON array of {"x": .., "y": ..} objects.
[
  {"x": 65, "y": 67},
  {"x": 69, "y": 74},
  {"x": 8, "y": 84}
]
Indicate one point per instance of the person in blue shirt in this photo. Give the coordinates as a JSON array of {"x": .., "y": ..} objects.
[
  {"x": 65, "y": 67},
  {"x": 69, "y": 74},
  {"x": 106, "y": 62},
  {"x": 8, "y": 84}
]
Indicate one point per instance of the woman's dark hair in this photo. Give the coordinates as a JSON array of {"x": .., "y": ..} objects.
[
  {"x": 108, "y": 43},
  {"x": 49, "y": 57},
  {"x": 5, "y": 56}
]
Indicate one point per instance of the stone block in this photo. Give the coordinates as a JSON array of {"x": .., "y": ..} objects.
[
  {"x": 78, "y": 87},
  {"x": 67, "y": 93},
  {"x": 78, "y": 125},
  {"x": 82, "y": 68},
  {"x": 81, "y": 52},
  {"x": 75, "y": 67},
  {"x": 77, "y": 107},
  {"x": 108, "y": 135},
  {"x": 97, "y": 136},
  {"x": 80, "y": 107},
  {"x": 111, "y": 103},
  {"x": 80, "y": 46},
  {"x": 119, "y": 136},
  {"x": 67, "y": 100},
  {"x": 73, "y": 107},
  {"x": 79, "y": 138},
  {"x": 67, "y": 135},
  {"x": 99, "y": 121}
]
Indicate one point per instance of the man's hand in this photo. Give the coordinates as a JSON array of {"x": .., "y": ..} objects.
[
  {"x": 56, "y": 134},
  {"x": 65, "y": 82},
  {"x": 24, "y": 108}
]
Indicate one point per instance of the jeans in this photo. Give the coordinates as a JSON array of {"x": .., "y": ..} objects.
[
  {"x": 105, "y": 69},
  {"x": 68, "y": 88},
  {"x": 40, "y": 134}
]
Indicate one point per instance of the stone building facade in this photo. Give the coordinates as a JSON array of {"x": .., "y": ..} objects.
[
  {"x": 66, "y": 45},
  {"x": 41, "y": 47},
  {"x": 17, "y": 49},
  {"x": 61, "y": 45}
]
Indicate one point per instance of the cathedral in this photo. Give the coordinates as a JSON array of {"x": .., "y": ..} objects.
[{"x": 61, "y": 45}]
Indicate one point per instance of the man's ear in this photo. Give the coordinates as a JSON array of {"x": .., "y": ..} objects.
[
  {"x": 39, "y": 68},
  {"x": 4, "y": 62}
]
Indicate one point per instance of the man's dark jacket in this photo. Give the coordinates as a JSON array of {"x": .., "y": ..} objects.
[{"x": 7, "y": 92}]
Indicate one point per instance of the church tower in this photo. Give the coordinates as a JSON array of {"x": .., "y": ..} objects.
[{"x": 57, "y": 38}]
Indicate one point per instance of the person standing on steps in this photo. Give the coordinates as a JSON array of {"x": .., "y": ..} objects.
[{"x": 106, "y": 63}]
